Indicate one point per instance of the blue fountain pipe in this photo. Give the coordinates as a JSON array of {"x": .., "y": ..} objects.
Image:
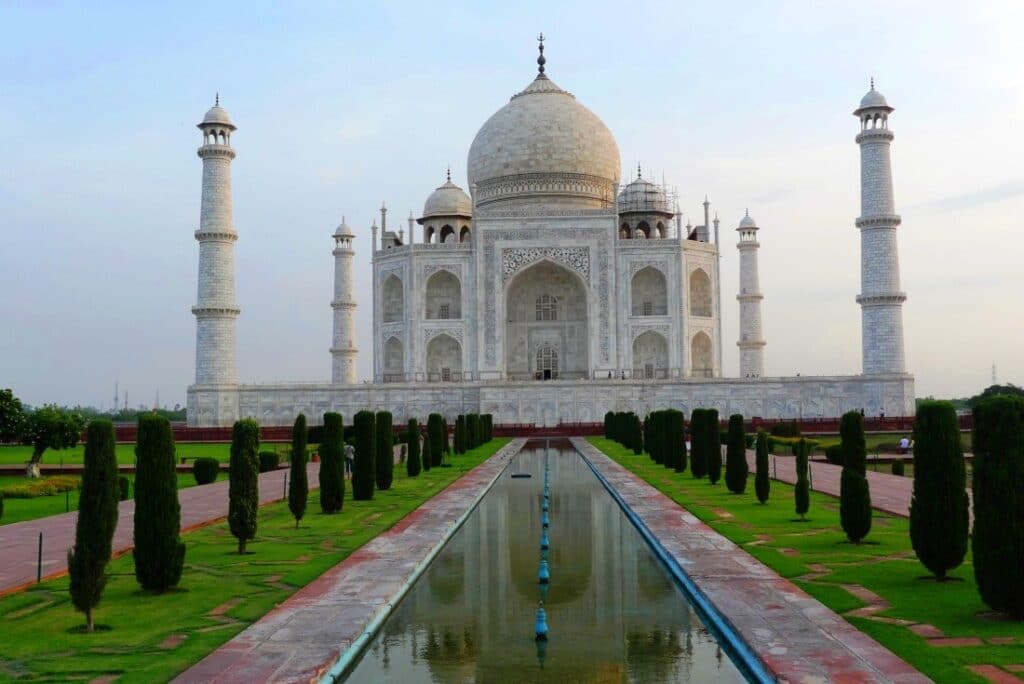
[
  {"x": 541, "y": 629},
  {"x": 545, "y": 520},
  {"x": 543, "y": 576},
  {"x": 545, "y": 543}
]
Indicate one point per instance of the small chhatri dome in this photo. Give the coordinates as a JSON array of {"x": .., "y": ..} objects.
[
  {"x": 873, "y": 99},
  {"x": 217, "y": 115},
  {"x": 748, "y": 221},
  {"x": 448, "y": 200},
  {"x": 343, "y": 230},
  {"x": 643, "y": 197}
]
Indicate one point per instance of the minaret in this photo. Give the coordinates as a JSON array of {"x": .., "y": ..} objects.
[
  {"x": 215, "y": 308},
  {"x": 751, "y": 342},
  {"x": 344, "y": 351},
  {"x": 881, "y": 299}
]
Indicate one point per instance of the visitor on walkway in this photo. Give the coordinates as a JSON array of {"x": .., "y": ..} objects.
[
  {"x": 904, "y": 445},
  {"x": 350, "y": 457}
]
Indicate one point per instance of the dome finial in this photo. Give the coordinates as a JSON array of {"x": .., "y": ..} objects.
[
  {"x": 639, "y": 174},
  {"x": 449, "y": 173},
  {"x": 216, "y": 99},
  {"x": 872, "y": 82},
  {"x": 540, "y": 59}
]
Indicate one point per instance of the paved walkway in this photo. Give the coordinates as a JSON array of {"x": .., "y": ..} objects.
[
  {"x": 889, "y": 493},
  {"x": 303, "y": 637},
  {"x": 19, "y": 542},
  {"x": 796, "y": 637}
]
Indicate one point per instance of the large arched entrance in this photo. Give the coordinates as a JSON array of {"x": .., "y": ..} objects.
[{"x": 546, "y": 324}]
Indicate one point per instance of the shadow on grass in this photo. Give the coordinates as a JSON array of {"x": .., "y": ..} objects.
[{"x": 80, "y": 629}]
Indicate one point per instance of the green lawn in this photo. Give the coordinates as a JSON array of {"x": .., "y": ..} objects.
[
  {"x": 886, "y": 566},
  {"x": 19, "y": 510},
  {"x": 873, "y": 439},
  {"x": 220, "y": 593},
  {"x": 20, "y": 455}
]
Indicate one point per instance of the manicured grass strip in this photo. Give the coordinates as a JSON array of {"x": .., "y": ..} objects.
[
  {"x": 20, "y": 510},
  {"x": 816, "y": 556},
  {"x": 20, "y": 455},
  {"x": 153, "y": 638}
]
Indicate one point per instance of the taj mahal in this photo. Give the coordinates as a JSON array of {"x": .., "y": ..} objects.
[{"x": 550, "y": 290}]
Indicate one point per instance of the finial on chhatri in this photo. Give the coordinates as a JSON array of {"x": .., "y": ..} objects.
[
  {"x": 449, "y": 174},
  {"x": 638, "y": 172},
  {"x": 216, "y": 99},
  {"x": 872, "y": 82},
  {"x": 540, "y": 59},
  {"x": 747, "y": 212}
]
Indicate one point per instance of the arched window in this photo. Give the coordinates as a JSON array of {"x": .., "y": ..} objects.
[
  {"x": 700, "y": 293},
  {"x": 394, "y": 360},
  {"x": 661, "y": 230},
  {"x": 547, "y": 308},
  {"x": 649, "y": 291},
  {"x": 446, "y": 232},
  {"x": 392, "y": 299},
  {"x": 643, "y": 230},
  {"x": 464, "y": 235},
  {"x": 700, "y": 356},
  {"x": 428, "y": 235},
  {"x": 547, "y": 362},
  {"x": 443, "y": 296}
]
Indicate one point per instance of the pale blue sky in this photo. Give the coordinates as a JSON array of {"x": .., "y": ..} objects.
[{"x": 342, "y": 105}]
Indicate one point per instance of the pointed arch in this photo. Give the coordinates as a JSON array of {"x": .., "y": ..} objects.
[
  {"x": 446, "y": 233},
  {"x": 443, "y": 296},
  {"x": 701, "y": 359},
  {"x": 700, "y": 293},
  {"x": 393, "y": 299},
  {"x": 444, "y": 359},
  {"x": 650, "y": 355},
  {"x": 649, "y": 292},
  {"x": 394, "y": 360}
]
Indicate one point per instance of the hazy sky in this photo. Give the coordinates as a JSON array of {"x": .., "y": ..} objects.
[{"x": 342, "y": 105}]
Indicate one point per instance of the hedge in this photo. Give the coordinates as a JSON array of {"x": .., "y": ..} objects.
[
  {"x": 366, "y": 451},
  {"x": 332, "y": 464},
  {"x": 205, "y": 470},
  {"x": 385, "y": 456}
]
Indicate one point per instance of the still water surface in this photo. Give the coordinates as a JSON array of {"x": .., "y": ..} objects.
[{"x": 613, "y": 612}]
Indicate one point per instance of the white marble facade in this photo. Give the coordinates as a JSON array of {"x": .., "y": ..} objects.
[{"x": 549, "y": 292}]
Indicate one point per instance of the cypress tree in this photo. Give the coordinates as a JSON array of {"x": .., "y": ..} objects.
[
  {"x": 159, "y": 552},
  {"x": 647, "y": 434},
  {"x": 608, "y": 420},
  {"x": 762, "y": 484},
  {"x": 97, "y": 520},
  {"x": 638, "y": 437},
  {"x": 938, "y": 507},
  {"x": 488, "y": 427},
  {"x": 736, "y": 469},
  {"x": 364, "y": 425},
  {"x": 298, "y": 483},
  {"x": 385, "y": 461},
  {"x": 854, "y": 493},
  {"x": 460, "y": 440},
  {"x": 332, "y": 464},
  {"x": 243, "y": 481},
  {"x": 998, "y": 485},
  {"x": 412, "y": 463},
  {"x": 676, "y": 430},
  {"x": 713, "y": 445},
  {"x": 435, "y": 433},
  {"x": 473, "y": 430},
  {"x": 446, "y": 446},
  {"x": 802, "y": 491},
  {"x": 425, "y": 457},
  {"x": 655, "y": 419},
  {"x": 698, "y": 435}
]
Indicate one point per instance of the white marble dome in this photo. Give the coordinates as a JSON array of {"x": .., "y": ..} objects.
[
  {"x": 448, "y": 200},
  {"x": 544, "y": 147},
  {"x": 217, "y": 115},
  {"x": 644, "y": 197},
  {"x": 873, "y": 98},
  {"x": 748, "y": 222}
]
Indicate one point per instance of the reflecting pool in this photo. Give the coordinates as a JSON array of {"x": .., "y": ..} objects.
[{"x": 613, "y": 612}]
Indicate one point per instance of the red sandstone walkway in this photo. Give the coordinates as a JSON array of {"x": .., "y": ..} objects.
[
  {"x": 796, "y": 637},
  {"x": 19, "y": 542},
  {"x": 889, "y": 493}
]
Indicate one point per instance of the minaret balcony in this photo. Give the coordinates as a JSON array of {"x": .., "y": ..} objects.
[{"x": 879, "y": 221}]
